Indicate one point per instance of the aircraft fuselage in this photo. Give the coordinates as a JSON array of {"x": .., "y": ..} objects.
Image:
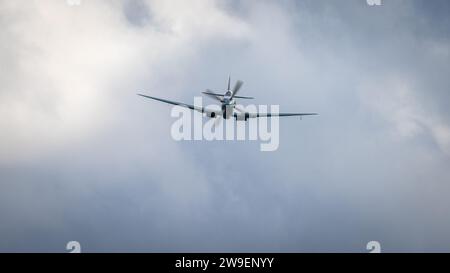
[{"x": 228, "y": 108}]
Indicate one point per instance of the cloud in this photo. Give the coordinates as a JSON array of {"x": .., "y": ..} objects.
[
  {"x": 395, "y": 101},
  {"x": 66, "y": 63},
  {"x": 83, "y": 158}
]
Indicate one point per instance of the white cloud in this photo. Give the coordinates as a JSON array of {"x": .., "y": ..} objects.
[
  {"x": 393, "y": 98},
  {"x": 69, "y": 76},
  {"x": 64, "y": 63}
]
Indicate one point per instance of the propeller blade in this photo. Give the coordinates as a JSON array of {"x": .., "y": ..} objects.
[
  {"x": 212, "y": 95},
  {"x": 242, "y": 97},
  {"x": 236, "y": 88}
]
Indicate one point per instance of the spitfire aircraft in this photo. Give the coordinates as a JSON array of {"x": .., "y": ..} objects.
[{"x": 228, "y": 105}]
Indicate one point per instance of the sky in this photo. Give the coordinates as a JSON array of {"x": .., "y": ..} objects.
[{"x": 82, "y": 158}]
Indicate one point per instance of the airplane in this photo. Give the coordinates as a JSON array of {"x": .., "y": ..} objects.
[{"x": 228, "y": 105}]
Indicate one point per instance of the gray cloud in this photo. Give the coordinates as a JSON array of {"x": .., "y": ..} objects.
[{"x": 83, "y": 158}]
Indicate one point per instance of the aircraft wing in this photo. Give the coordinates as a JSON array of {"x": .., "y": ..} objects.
[
  {"x": 259, "y": 115},
  {"x": 196, "y": 108},
  {"x": 245, "y": 116}
]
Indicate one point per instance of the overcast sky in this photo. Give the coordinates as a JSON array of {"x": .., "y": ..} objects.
[{"x": 83, "y": 158}]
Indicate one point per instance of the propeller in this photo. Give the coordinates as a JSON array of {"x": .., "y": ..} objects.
[
  {"x": 236, "y": 88},
  {"x": 212, "y": 95}
]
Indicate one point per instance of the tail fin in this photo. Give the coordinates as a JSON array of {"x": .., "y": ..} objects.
[{"x": 229, "y": 80}]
